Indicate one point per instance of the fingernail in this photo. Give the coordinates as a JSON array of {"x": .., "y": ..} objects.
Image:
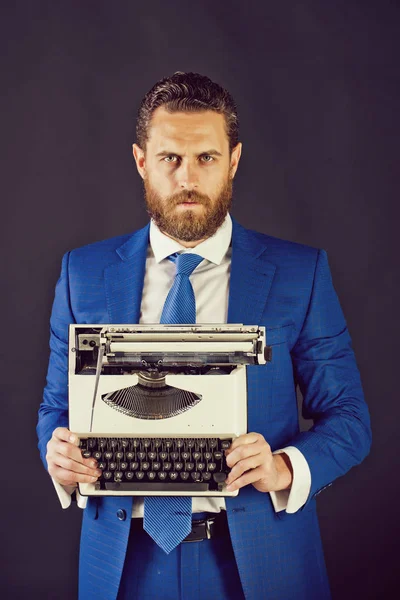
[
  {"x": 72, "y": 439},
  {"x": 93, "y": 464},
  {"x": 229, "y": 487}
]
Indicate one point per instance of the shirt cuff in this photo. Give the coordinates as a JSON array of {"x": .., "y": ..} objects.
[
  {"x": 64, "y": 493},
  {"x": 292, "y": 500}
]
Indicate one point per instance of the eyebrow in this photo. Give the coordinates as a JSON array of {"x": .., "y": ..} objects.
[{"x": 210, "y": 152}]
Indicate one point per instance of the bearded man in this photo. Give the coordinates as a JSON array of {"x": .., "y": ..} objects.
[{"x": 265, "y": 541}]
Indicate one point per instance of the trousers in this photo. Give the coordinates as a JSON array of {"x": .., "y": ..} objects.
[{"x": 192, "y": 571}]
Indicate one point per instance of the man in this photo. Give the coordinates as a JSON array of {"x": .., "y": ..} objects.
[{"x": 267, "y": 542}]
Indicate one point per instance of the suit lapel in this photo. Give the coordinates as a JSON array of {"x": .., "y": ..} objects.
[
  {"x": 124, "y": 279},
  {"x": 251, "y": 277}
]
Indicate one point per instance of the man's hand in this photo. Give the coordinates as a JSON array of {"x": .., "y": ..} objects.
[
  {"x": 252, "y": 461},
  {"x": 65, "y": 461}
]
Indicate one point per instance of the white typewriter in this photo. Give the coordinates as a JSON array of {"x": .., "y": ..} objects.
[{"x": 157, "y": 405}]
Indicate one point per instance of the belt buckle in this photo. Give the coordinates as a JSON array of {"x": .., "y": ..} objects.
[
  {"x": 208, "y": 528},
  {"x": 200, "y": 538}
]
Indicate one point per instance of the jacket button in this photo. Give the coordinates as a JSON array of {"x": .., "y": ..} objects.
[{"x": 121, "y": 514}]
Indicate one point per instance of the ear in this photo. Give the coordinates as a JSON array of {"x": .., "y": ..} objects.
[
  {"x": 140, "y": 159},
  {"x": 235, "y": 157}
]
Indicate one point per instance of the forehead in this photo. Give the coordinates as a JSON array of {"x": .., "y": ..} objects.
[{"x": 180, "y": 128}]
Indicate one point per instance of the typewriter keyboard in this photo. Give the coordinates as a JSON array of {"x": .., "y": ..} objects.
[{"x": 159, "y": 464}]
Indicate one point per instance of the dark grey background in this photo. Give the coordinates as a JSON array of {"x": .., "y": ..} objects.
[{"x": 316, "y": 85}]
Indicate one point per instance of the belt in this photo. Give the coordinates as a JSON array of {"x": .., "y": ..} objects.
[{"x": 212, "y": 526}]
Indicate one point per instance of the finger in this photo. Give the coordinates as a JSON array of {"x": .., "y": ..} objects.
[
  {"x": 66, "y": 477},
  {"x": 65, "y": 435},
  {"x": 69, "y": 452},
  {"x": 246, "y": 438},
  {"x": 76, "y": 467},
  {"x": 247, "y": 478},
  {"x": 244, "y": 465},
  {"x": 67, "y": 449},
  {"x": 241, "y": 453}
]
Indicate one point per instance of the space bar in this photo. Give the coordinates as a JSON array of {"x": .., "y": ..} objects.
[{"x": 156, "y": 487}]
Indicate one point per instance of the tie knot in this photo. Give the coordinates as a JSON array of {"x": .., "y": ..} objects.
[{"x": 186, "y": 263}]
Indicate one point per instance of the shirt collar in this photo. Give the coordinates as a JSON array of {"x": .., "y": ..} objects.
[{"x": 213, "y": 248}]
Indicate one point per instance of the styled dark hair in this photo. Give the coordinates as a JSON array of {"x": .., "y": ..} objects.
[{"x": 187, "y": 92}]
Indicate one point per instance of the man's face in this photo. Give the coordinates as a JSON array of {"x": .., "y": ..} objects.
[{"x": 187, "y": 173}]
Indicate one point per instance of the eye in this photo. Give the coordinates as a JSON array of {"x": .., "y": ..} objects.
[
  {"x": 207, "y": 156},
  {"x": 170, "y": 156}
]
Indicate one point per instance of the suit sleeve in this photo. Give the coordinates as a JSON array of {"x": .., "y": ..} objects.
[
  {"x": 53, "y": 411},
  {"x": 326, "y": 371}
]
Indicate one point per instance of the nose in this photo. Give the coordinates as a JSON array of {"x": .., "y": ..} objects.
[{"x": 187, "y": 177}]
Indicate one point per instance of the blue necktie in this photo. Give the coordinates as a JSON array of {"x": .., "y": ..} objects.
[{"x": 168, "y": 519}]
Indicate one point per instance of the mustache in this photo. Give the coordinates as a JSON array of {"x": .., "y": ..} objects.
[{"x": 189, "y": 197}]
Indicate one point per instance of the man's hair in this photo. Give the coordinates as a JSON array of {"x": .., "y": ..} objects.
[{"x": 187, "y": 92}]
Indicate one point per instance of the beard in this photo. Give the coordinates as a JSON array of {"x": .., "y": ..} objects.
[{"x": 188, "y": 225}]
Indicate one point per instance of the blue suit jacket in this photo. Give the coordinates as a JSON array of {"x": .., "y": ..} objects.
[{"x": 288, "y": 288}]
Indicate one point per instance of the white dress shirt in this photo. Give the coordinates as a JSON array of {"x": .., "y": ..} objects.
[{"x": 210, "y": 281}]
